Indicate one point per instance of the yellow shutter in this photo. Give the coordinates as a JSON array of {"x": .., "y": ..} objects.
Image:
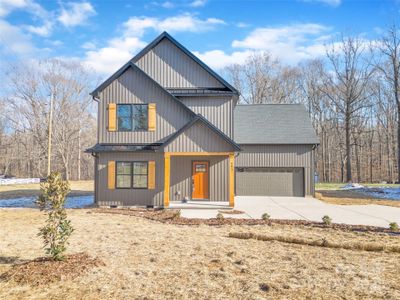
[
  {"x": 152, "y": 175},
  {"x": 112, "y": 117},
  {"x": 111, "y": 174},
  {"x": 152, "y": 117}
]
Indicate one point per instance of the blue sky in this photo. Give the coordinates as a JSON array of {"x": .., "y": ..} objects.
[{"x": 106, "y": 34}]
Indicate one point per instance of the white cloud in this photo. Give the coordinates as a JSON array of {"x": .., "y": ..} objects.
[
  {"x": 43, "y": 30},
  {"x": 118, "y": 51},
  {"x": 89, "y": 45},
  {"x": 13, "y": 41},
  {"x": 242, "y": 25},
  {"x": 186, "y": 22},
  {"x": 291, "y": 44},
  {"x": 263, "y": 38},
  {"x": 198, "y": 3},
  {"x": 167, "y": 4},
  {"x": 76, "y": 13},
  {"x": 333, "y": 3},
  {"x": 33, "y": 8},
  {"x": 218, "y": 59},
  {"x": 7, "y": 6}
]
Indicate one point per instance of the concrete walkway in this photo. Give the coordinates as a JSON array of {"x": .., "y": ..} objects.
[{"x": 296, "y": 208}]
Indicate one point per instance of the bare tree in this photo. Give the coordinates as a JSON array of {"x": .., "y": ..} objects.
[
  {"x": 347, "y": 87},
  {"x": 27, "y": 113},
  {"x": 389, "y": 48}
]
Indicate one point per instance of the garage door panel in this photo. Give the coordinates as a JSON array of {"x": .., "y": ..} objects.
[{"x": 270, "y": 182}]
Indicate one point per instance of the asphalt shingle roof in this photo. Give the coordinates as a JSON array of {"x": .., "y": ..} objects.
[{"x": 273, "y": 124}]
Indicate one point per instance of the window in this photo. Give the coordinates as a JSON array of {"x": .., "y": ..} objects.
[
  {"x": 201, "y": 168},
  {"x": 132, "y": 174},
  {"x": 132, "y": 117},
  {"x": 140, "y": 175},
  {"x": 124, "y": 174}
]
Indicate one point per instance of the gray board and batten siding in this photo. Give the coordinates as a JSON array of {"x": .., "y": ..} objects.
[
  {"x": 217, "y": 110},
  {"x": 129, "y": 197},
  {"x": 172, "y": 68},
  {"x": 279, "y": 156},
  {"x": 181, "y": 177},
  {"x": 133, "y": 87},
  {"x": 198, "y": 138}
]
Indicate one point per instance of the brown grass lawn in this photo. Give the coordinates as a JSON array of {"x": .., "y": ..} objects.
[
  {"x": 78, "y": 188},
  {"x": 146, "y": 259}
]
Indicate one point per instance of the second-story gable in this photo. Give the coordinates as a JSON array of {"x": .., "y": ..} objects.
[
  {"x": 135, "y": 109},
  {"x": 172, "y": 68},
  {"x": 175, "y": 67},
  {"x": 164, "y": 85}
]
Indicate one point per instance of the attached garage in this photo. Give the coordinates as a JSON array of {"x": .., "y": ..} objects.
[
  {"x": 277, "y": 150},
  {"x": 260, "y": 181}
]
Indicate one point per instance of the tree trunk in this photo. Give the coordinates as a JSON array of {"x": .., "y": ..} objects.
[
  {"x": 398, "y": 139},
  {"x": 348, "y": 148},
  {"x": 79, "y": 153}
]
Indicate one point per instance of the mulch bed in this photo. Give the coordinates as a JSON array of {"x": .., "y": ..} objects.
[
  {"x": 171, "y": 216},
  {"x": 45, "y": 270}
]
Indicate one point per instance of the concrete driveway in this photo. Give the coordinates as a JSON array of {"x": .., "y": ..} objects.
[{"x": 297, "y": 208}]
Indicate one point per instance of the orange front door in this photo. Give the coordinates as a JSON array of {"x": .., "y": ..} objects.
[{"x": 200, "y": 180}]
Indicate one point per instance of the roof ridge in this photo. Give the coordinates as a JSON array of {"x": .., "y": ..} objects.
[{"x": 166, "y": 35}]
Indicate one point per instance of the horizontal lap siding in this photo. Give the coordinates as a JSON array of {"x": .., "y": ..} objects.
[
  {"x": 172, "y": 68},
  {"x": 129, "y": 197},
  {"x": 181, "y": 177},
  {"x": 280, "y": 156},
  {"x": 217, "y": 110},
  {"x": 133, "y": 87},
  {"x": 198, "y": 138}
]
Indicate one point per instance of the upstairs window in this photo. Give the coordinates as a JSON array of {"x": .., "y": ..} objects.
[{"x": 132, "y": 117}]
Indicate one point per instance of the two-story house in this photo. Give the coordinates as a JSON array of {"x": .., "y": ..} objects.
[{"x": 170, "y": 128}]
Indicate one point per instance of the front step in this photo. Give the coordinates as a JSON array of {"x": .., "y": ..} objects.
[{"x": 199, "y": 205}]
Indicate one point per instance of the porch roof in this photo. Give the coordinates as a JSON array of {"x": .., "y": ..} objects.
[{"x": 123, "y": 148}]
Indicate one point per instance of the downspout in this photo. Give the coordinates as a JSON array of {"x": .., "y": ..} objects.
[{"x": 96, "y": 159}]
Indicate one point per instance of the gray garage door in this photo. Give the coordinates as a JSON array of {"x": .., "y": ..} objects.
[{"x": 270, "y": 182}]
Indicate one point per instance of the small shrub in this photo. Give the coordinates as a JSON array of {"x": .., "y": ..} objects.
[
  {"x": 265, "y": 216},
  {"x": 220, "y": 216},
  {"x": 57, "y": 229},
  {"x": 394, "y": 226},
  {"x": 327, "y": 220}
]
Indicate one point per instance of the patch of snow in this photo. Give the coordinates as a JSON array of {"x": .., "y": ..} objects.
[
  {"x": 6, "y": 181},
  {"x": 382, "y": 192},
  {"x": 28, "y": 202},
  {"x": 351, "y": 186}
]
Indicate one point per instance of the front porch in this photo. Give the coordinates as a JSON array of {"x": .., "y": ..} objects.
[{"x": 201, "y": 179}]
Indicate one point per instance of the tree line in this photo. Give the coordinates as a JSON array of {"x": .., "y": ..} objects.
[
  {"x": 351, "y": 95},
  {"x": 25, "y": 118}
]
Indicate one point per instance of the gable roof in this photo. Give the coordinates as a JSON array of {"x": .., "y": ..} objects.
[
  {"x": 166, "y": 35},
  {"x": 132, "y": 65},
  {"x": 150, "y": 46},
  {"x": 273, "y": 124},
  {"x": 200, "y": 118}
]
